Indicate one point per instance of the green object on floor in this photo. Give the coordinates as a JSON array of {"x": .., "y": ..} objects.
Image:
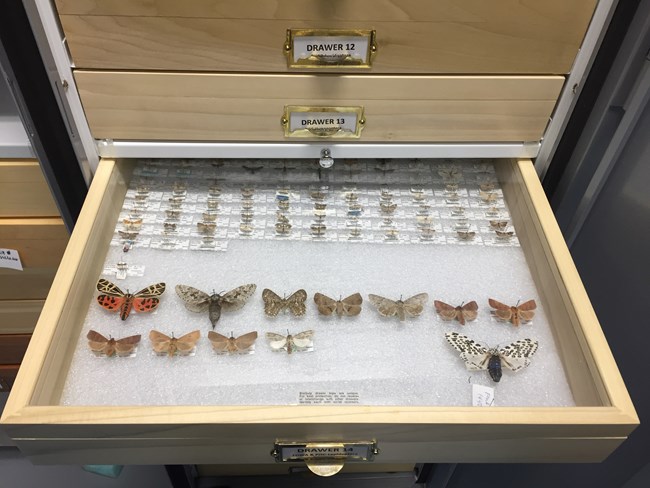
[{"x": 109, "y": 470}]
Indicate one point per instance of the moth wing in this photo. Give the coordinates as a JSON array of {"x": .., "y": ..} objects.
[
  {"x": 273, "y": 303},
  {"x": 474, "y": 354},
  {"x": 296, "y": 302},
  {"x": 517, "y": 355},
  {"x": 303, "y": 339},
  {"x": 151, "y": 291},
  {"x": 161, "y": 342},
  {"x": 470, "y": 310},
  {"x": 446, "y": 311},
  {"x": 145, "y": 304},
  {"x": 385, "y": 306},
  {"x": 415, "y": 305},
  {"x": 195, "y": 299},
  {"x": 352, "y": 304},
  {"x": 105, "y": 286},
  {"x": 219, "y": 341},
  {"x": 127, "y": 344},
  {"x": 527, "y": 310},
  {"x": 325, "y": 304},
  {"x": 97, "y": 342},
  {"x": 236, "y": 299},
  {"x": 501, "y": 310},
  {"x": 95, "y": 336},
  {"x": 276, "y": 341},
  {"x": 245, "y": 341},
  {"x": 110, "y": 302},
  {"x": 187, "y": 342}
]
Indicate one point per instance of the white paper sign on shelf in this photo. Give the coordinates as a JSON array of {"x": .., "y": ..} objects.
[{"x": 9, "y": 258}]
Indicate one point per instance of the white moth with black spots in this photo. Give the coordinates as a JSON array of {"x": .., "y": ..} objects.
[{"x": 478, "y": 357}]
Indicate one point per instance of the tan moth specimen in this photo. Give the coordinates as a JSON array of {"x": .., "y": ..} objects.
[
  {"x": 290, "y": 343},
  {"x": 514, "y": 314},
  {"x": 173, "y": 345},
  {"x": 412, "y": 306},
  {"x": 462, "y": 313},
  {"x": 111, "y": 347},
  {"x": 232, "y": 345},
  {"x": 274, "y": 304},
  {"x": 349, "y": 306},
  {"x": 200, "y": 301}
]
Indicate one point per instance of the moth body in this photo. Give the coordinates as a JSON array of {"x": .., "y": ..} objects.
[{"x": 494, "y": 366}]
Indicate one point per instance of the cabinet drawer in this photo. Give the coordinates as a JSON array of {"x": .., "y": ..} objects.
[
  {"x": 465, "y": 37},
  {"x": 23, "y": 191},
  {"x": 19, "y": 316},
  {"x": 13, "y": 347},
  {"x": 213, "y": 107},
  {"x": 51, "y": 432},
  {"x": 39, "y": 242}
]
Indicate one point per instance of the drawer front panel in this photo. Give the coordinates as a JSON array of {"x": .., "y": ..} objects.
[
  {"x": 211, "y": 107},
  {"x": 23, "y": 191},
  {"x": 29, "y": 284},
  {"x": 13, "y": 347},
  {"x": 19, "y": 316},
  {"x": 39, "y": 242},
  {"x": 506, "y": 36}
]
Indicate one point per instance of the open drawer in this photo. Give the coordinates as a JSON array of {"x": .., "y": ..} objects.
[{"x": 216, "y": 416}]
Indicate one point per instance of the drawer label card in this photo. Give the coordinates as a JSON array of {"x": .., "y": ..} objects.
[
  {"x": 328, "y": 398},
  {"x": 327, "y": 122},
  {"x": 9, "y": 258},
  {"x": 286, "y": 452},
  {"x": 330, "y": 48}
]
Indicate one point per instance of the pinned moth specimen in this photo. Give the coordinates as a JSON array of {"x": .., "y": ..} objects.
[
  {"x": 131, "y": 224},
  {"x": 487, "y": 186},
  {"x": 246, "y": 228},
  {"x": 173, "y": 214},
  {"x": 412, "y": 306},
  {"x": 274, "y": 304},
  {"x": 499, "y": 224},
  {"x": 488, "y": 197},
  {"x": 290, "y": 343},
  {"x": 183, "y": 345},
  {"x": 232, "y": 345},
  {"x": 387, "y": 208},
  {"x": 209, "y": 217},
  {"x": 493, "y": 212},
  {"x": 318, "y": 230},
  {"x": 252, "y": 169},
  {"x": 504, "y": 235},
  {"x": 113, "y": 299},
  {"x": 214, "y": 191},
  {"x": 479, "y": 357},
  {"x": 318, "y": 195},
  {"x": 450, "y": 173},
  {"x": 516, "y": 314},
  {"x": 282, "y": 228},
  {"x": 462, "y": 313},
  {"x": 349, "y": 306},
  {"x": 206, "y": 228},
  {"x": 451, "y": 187},
  {"x": 247, "y": 192},
  {"x": 427, "y": 233},
  {"x": 169, "y": 227},
  {"x": 465, "y": 235},
  {"x": 100, "y": 345},
  {"x": 212, "y": 203},
  {"x": 128, "y": 236},
  {"x": 199, "y": 301}
]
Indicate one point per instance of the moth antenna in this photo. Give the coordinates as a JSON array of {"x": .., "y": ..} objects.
[
  {"x": 518, "y": 303},
  {"x": 462, "y": 303}
]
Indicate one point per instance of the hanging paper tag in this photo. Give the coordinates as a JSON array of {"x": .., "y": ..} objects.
[
  {"x": 482, "y": 396},
  {"x": 9, "y": 258}
]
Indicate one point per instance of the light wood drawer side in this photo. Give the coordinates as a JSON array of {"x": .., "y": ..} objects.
[
  {"x": 503, "y": 36},
  {"x": 23, "y": 191},
  {"x": 214, "y": 107}
]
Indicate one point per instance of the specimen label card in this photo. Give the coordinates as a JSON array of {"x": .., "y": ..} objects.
[
  {"x": 328, "y": 398},
  {"x": 9, "y": 258},
  {"x": 341, "y": 121},
  {"x": 482, "y": 396}
]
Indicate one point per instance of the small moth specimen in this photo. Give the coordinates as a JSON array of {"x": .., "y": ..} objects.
[
  {"x": 462, "y": 313},
  {"x": 131, "y": 224},
  {"x": 173, "y": 345},
  {"x": 348, "y": 306},
  {"x": 488, "y": 197},
  {"x": 199, "y": 301},
  {"x": 232, "y": 345},
  {"x": 128, "y": 236},
  {"x": 173, "y": 214},
  {"x": 412, "y": 306},
  {"x": 499, "y": 224},
  {"x": 206, "y": 228},
  {"x": 112, "y": 298},
  {"x": 274, "y": 304},
  {"x": 111, "y": 347},
  {"x": 466, "y": 235},
  {"x": 516, "y": 314},
  {"x": 503, "y": 234},
  {"x": 478, "y": 357},
  {"x": 487, "y": 186},
  {"x": 387, "y": 208},
  {"x": 290, "y": 343}
]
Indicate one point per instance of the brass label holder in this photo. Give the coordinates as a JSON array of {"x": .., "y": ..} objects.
[
  {"x": 325, "y": 122},
  {"x": 330, "y": 48},
  {"x": 325, "y": 458}
]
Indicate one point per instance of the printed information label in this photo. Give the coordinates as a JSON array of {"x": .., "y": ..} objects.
[
  {"x": 330, "y": 49},
  {"x": 328, "y": 398},
  {"x": 323, "y": 121},
  {"x": 9, "y": 258}
]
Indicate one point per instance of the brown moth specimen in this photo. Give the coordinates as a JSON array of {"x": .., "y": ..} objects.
[
  {"x": 173, "y": 345},
  {"x": 290, "y": 343},
  {"x": 274, "y": 304},
  {"x": 488, "y": 197},
  {"x": 349, "y": 306},
  {"x": 232, "y": 345},
  {"x": 111, "y": 347},
  {"x": 412, "y": 306},
  {"x": 462, "y": 313},
  {"x": 200, "y": 301},
  {"x": 466, "y": 235},
  {"x": 499, "y": 224},
  {"x": 515, "y": 314}
]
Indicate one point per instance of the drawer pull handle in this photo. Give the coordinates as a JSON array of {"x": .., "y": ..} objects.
[{"x": 330, "y": 48}]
